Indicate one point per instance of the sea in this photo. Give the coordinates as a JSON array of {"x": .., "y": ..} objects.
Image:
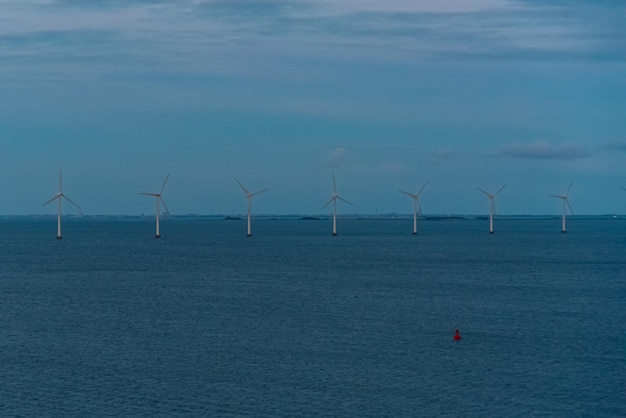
[{"x": 295, "y": 322}]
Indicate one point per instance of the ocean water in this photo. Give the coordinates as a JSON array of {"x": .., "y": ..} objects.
[{"x": 294, "y": 322}]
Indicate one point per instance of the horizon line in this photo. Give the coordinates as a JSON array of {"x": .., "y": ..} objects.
[{"x": 389, "y": 215}]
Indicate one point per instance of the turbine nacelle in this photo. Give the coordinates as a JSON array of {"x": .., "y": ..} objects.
[
  {"x": 565, "y": 199},
  {"x": 335, "y": 196},
  {"x": 248, "y": 194},
  {"x": 492, "y": 197},
  {"x": 416, "y": 197},
  {"x": 159, "y": 196},
  {"x": 334, "y": 199}
]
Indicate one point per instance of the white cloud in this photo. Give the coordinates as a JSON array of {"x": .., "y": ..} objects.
[{"x": 337, "y": 157}]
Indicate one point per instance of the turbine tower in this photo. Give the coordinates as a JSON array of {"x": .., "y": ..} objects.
[
  {"x": 333, "y": 200},
  {"x": 250, "y": 196},
  {"x": 60, "y": 196},
  {"x": 159, "y": 200},
  {"x": 492, "y": 205},
  {"x": 566, "y": 205},
  {"x": 417, "y": 207}
]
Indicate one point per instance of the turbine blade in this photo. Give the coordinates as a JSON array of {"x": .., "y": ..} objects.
[
  {"x": 341, "y": 198},
  {"x": 498, "y": 192},
  {"x": 60, "y": 180},
  {"x": 52, "y": 200},
  {"x": 70, "y": 200},
  {"x": 259, "y": 192},
  {"x": 164, "y": 182},
  {"x": 569, "y": 206},
  {"x": 568, "y": 189},
  {"x": 329, "y": 202},
  {"x": 243, "y": 188},
  {"x": 164, "y": 205},
  {"x": 493, "y": 206},
  {"x": 334, "y": 185},
  {"x": 554, "y": 195},
  {"x": 422, "y": 189},
  {"x": 150, "y": 194},
  {"x": 419, "y": 206},
  {"x": 488, "y": 194},
  {"x": 409, "y": 194}
]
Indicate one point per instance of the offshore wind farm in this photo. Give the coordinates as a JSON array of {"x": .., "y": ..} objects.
[{"x": 417, "y": 209}]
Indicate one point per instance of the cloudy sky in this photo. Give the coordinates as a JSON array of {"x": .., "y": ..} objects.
[{"x": 283, "y": 93}]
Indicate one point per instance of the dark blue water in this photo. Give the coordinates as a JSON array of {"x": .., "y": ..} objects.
[{"x": 295, "y": 322}]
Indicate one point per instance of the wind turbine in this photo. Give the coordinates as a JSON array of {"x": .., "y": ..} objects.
[
  {"x": 416, "y": 205},
  {"x": 250, "y": 196},
  {"x": 60, "y": 196},
  {"x": 159, "y": 200},
  {"x": 333, "y": 200},
  {"x": 566, "y": 205},
  {"x": 492, "y": 205}
]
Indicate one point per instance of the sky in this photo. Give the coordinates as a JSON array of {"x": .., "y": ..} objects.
[{"x": 283, "y": 93}]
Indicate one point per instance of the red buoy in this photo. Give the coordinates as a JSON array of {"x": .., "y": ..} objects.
[{"x": 457, "y": 337}]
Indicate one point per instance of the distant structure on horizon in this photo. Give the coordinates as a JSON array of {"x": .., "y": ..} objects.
[
  {"x": 159, "y": 200},
  {"x": 250, "y": 196},
  {"x": 566, "y": 205},
  {"x": 60, "y": 196},
  {"x": 333, "y": 200},
  {"x": 492, "y": 205},
  {"x": 417, "y": 207}
]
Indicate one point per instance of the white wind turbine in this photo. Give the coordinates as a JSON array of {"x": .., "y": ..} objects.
[
  {"x": 417, "y": 207},
  {"x": 333, "y": 200},
  {"x": 492, "y": 205},
  {"x": 159, "y": 200},
  {"x": 566, "y": 205},
  {"x": 60, "y": 196},
  {"x": 250, "y": 196}
]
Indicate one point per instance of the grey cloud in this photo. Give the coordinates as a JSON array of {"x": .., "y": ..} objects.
[
  {"x": 546, "y": 150},
  {"x": 188, "y": 36},
  {"x": 110, "y": 3},
  {"x": 61, "y": 38},
  {"x": 617, "y": 146},
  {"x": 489, "y": 29}
]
